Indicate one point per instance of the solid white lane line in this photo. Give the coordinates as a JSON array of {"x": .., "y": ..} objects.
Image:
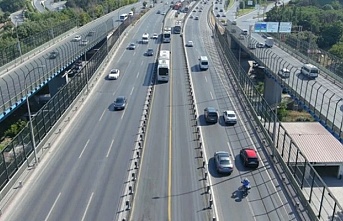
[
  {"x": 84, "y": 149},
  {"x": 53, "y": 205},
  {"x": 230, "y": 149},
  {"x": 89, "y": 202},
  {"x": 211, "y": 95},
  {"x": 109, "y": 149},
  {"x": 102, "y": 115},
  {"x": 132, "y": 90}
]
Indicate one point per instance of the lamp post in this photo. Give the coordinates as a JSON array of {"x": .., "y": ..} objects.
[{"x": 29, "y": 112}]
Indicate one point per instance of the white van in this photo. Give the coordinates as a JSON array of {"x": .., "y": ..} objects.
[
  {"x": 269, "y": 42},
  {"x": 310, "y": 71},
  {"x": 203, "y": 63}
]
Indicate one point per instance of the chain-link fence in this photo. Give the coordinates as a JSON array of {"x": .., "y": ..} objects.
[
  {"x": 23, "y": 46},
  {"x": 18, "y": 151},
  {"x": 323, "y": 102},
  {"x": 31, "y": 77},
  {"x": 305, "y": 178}
]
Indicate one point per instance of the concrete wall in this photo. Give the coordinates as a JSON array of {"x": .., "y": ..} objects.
[{"x": 272, "y": 91}]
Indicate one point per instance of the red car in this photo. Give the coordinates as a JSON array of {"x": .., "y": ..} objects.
[{"x": 249, "y": 157}]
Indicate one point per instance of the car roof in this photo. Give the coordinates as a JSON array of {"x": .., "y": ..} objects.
[
  {"x": 229, "y": 112},
  {"x": 284, "y": 70},
  {"x": 222, "y": 153},
  {"x": 120, "y": 97},
  {"x": 211, "y": 109},
  {"x": 251, "y": 153}
]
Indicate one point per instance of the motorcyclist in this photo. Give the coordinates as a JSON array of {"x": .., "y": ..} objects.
[{"x": 246, "y": 183}]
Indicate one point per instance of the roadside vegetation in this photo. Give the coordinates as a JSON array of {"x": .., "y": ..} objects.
[
  {"x": 320, "y": 22},
  {"x": 82, "y": 11}
]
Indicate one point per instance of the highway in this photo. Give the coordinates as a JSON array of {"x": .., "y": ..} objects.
[
  {"x": 40, "y": 68},
  {"x": 321, "y": 93},
  {"x": 169, "y": 183},
  {"x": 82, "y": 177},
  {"x": 266, "y": 200}
]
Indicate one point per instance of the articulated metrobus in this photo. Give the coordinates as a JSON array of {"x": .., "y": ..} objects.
[{"x": 163, "y": 67}]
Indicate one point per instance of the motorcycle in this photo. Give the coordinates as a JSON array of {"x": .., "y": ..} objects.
[{"x": 245, "y": 187}]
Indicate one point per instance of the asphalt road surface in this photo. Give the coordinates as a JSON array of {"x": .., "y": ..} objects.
[
  {"x": 170, "y": 183},
  {"x": 266, "y": 200},
  {"x": 84, "y": 175},
  {"x": 321, "y": 93},
  {"x": 39, "y": 67}
]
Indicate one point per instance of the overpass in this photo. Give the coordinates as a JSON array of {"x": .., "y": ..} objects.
[
  {"x": 322, "y": 98},
  {"x": 29, "y": 77}
]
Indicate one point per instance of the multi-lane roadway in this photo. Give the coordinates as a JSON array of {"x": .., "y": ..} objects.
[
  {"x": 39, "y": 68},
  {"x": 322, "y": 94},
  {"x": 170, "y": 182},
  {"x": 83, "y": 178},
  {"x": 266, "y": 201}
]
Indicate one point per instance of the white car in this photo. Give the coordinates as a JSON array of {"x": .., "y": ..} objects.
[
  {"x": 114, "y": 74},
  {"x": 230, "y": 117},
  {"x": 189, "y": 44},
  {"x": 284, "y": 73},
  {"x": 77, "y": 38},
  {"x": 84, "y": 42},
  {"x": 155, "y": 36},
  {"x": 260, "y": 45}
]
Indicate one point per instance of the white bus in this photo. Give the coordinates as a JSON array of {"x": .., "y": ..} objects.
[
  {"x": 166, "y": 36},
  {"x": 163, "y": 67},
  {"x": 123, "y": 17},
  {"x": 145, "y": 38}
]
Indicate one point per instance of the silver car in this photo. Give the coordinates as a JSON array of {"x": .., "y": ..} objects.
[
  {"x": 223, "y": 162},
  {"x": 284, "y": 73}
]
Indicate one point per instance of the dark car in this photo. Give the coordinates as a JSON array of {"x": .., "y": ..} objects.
[
  {"x": 211, "y": 115},
  {"x": 120, "y": 103},
  {"x": 223, "y": 162},
  {"x": 53, "y": 55},
  {"x": 249, "y": 157},
  {"x": 149, "y": 52},
  {"x": 91, "y": 33}
]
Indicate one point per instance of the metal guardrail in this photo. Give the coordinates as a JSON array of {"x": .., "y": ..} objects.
[
  {"x": 304, "y": 178},
  {"x": 322, "y": 103}
]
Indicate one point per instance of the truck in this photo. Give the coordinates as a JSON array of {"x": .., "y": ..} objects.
[{"x": 269, "y": 42}]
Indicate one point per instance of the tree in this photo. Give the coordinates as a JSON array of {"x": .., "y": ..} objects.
[{"x": 144, "y": 4}]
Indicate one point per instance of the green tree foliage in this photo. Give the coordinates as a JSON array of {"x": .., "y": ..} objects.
[
  {"x": 15, "y": 129},
  {"x": 331, "y": 34},
  {"x": 12, "y": 5},
  {"x": 144, "y": 4},
  {"x": 282, "y": 111},
  {"x": 337, "y": 49},
  {"x": 324, "y": 21}
]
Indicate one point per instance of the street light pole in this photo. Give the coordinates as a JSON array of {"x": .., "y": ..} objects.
[{"x": 29, "y": 112}]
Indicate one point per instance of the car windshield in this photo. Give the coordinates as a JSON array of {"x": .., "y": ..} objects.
[
  {"x": 225, "y": 162},
  {"x": 114, "y": 71},
  {"x": 212, "y": 114},
  {"x": 120, "y": 100},
  {"x": 231, "y": 115},
  {"x": 253, "y": 160}
]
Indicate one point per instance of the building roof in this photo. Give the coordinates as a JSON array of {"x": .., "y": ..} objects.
[{"x": 315, "y": 142}]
